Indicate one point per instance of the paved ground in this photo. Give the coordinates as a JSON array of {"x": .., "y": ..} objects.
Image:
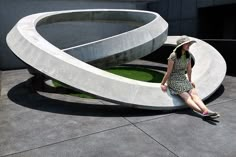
[{"x": 36, "y": 122}]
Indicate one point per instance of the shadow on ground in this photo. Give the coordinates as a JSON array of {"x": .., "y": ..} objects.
[
  {"x": 28, "y": 94},
  {"x": 212, "y": 98},
  {"x": 215, "y": 95},
  {"x": 57, "y": 101},
  {"x": 194, "y": 114}
]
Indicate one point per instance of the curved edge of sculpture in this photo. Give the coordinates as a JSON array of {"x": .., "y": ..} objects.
[{"x": 34, "y": 50}]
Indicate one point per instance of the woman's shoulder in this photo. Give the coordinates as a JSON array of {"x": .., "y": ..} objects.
[{"x": 172, "y": 56}]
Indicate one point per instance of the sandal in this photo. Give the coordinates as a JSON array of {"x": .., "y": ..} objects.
[{"x": 211, "y": 114}]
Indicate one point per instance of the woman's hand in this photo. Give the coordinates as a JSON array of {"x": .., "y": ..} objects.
[
  {"x": 164, "y": 88},
  {"x": 193, "y": 84}
]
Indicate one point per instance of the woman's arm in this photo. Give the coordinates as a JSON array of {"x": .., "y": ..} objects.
[
  {"x": 169, "y": 70},
  {"x": 167, "y": 74},
  {"x": 189, "y": 73}
]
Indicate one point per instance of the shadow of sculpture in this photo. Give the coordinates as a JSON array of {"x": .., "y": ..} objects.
[
  {"x": 35, "y": 94},
  {"x": 215, "y": 95}
]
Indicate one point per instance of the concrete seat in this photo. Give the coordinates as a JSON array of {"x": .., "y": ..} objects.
[{"x": 69, "y": 65}]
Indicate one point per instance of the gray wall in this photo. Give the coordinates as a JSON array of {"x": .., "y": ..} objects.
[
  {"x": 209, "y": 3},
  {"x": 13, "y": 10},
  {"x": 228, "y": 47},
  {"x": 182, "y": 16},
  {"x": 210, "y": 20}
]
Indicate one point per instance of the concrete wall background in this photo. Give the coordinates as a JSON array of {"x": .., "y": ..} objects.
[
  {"x": 210, "y": 20},
  {"x": 228, "y": 47},
  {"x": 69, "y": 34},
  {"x": 222, "y": 27},
  {"x": 182, "y": 16},
  {"x": 13, "y": 10}
]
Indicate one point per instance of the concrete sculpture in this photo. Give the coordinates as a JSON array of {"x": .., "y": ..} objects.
[{"x": 71, "y": 67}]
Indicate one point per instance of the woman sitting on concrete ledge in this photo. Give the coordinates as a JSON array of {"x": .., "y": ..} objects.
[{"x": 179, "y": 62}]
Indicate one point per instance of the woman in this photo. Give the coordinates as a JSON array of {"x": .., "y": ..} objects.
[{"x": 179, "y": 62}]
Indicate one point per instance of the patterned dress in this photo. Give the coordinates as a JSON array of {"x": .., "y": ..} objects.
[{"x": 178, "y": 82}]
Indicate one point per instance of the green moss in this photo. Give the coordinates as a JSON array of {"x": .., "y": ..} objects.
[
  {"x": 83, "y": 95},
  {"x": 135, "y": 73},
  {"x": 140, "y": 74},
  {"x": 58, "y": 84},
  {"x": 71, "y": 92}
]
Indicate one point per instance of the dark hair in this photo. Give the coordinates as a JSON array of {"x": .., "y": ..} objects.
[{"x": 179, "y": 53}]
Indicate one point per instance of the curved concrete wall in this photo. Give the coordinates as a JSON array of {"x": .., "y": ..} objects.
[
  {"x": 182, "y": 16},
  {"x": 208, "y": 72},
  {"x": 13, "y": 10}
]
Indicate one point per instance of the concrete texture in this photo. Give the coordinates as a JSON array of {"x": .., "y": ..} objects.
[
  {"x": 210, "y": 3},
  {"x": 25, "y": 7},
  {"x": 36, "y": 120},
  {"x": 186, "y": 23},
  {"x": 205, "y": 3},
  {"x": 178, "y": 12},
  {"x": 78, "y": 34},
  {"x": 116, "y": 49},
  {"x": 150, "y": 35},
  {"x": 189, "y": 10},
  {"x": 201, "y": 139}
]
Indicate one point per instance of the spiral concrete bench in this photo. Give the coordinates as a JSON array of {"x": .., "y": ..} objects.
[{"x": 71, "y": 69}]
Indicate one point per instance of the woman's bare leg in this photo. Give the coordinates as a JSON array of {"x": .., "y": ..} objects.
[
  {"x": 197, "y": 100},
  {"x": 189, "y": 101}
]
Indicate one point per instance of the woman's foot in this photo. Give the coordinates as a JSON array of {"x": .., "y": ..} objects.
[{"x": 211, "y": 114}]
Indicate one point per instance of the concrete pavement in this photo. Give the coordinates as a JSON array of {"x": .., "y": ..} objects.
[{"x": 37, "y": 120}]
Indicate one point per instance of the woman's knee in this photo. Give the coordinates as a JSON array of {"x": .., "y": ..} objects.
[
  {"x": 193, "y": 94},
  {"x": 185, "y": 96}
]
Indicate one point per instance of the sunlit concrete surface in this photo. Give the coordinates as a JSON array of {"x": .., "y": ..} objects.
[
  {"x": 34, "y": 50},
  {"x": 209, "y": 67},
  {"x": 37, "y": 120}
]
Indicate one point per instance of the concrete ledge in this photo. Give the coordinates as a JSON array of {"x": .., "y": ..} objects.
[{"x": 28, "y": 45}]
